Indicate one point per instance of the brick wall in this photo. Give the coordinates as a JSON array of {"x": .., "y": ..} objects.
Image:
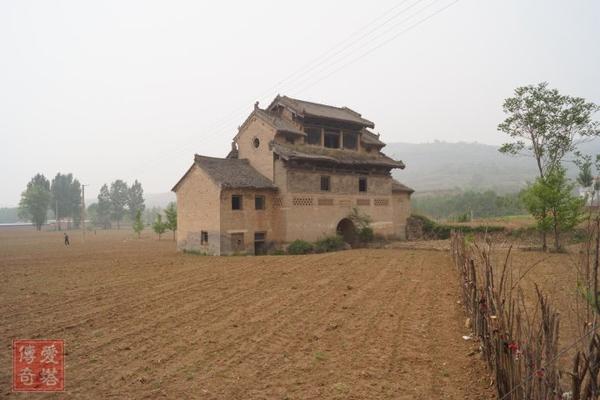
[
  {"x": 248, "y": 220},
  {"x": 261, "y": 157},
  {"x": 198, "y": 210},
  {"x": 401, "y": 206}
]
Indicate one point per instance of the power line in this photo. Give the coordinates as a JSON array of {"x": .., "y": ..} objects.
[
  {"x": 223, "y": 123},
  {"x": 380, "y": 45},
  {"x": 360, "y": 45}
]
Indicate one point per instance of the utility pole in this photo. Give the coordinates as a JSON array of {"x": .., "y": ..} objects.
[{"x": 83, "y": 210}]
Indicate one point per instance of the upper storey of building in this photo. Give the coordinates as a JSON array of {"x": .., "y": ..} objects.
[{"x": 302, "y": 133}]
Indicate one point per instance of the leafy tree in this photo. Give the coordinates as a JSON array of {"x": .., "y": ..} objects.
[
  {"x": 135, "y": 199},
  {"x": 66, "y": 198},
  {"x": 92, "y": 214},
  {"x": 119, "y": 195},
  {"x": 171, "y": 215},
  {"x": 551, "y": 202},
  {"x": 104, "y": 207},
  {"x": 159, "y": 226},
  {"x": 362, "y": 221},
  {"x": 138, "y": 224},
  {"x": 35, "y": 201},
  {"x": 585, "y": 177},
  {"x": 546, "y": 125},
  {"x": 149, "y": 214}
]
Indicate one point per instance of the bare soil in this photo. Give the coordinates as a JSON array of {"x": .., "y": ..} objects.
[{"x": 141, "y": 321}]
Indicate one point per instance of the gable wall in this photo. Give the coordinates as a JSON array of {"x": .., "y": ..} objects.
[
  {"x": 260, "y": 158},
  {"x": 198, "y": 210}
]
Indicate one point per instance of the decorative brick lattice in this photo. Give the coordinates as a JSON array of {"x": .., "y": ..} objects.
[
  {"x": 277, "y": 202},
  {"x": 363, "y": 202},
  {"x": 345, "y": 203},
  {"x": 325, "y": 202},
  {"x": 381, "y": 202},
  {"x": 302, "y": 201}
]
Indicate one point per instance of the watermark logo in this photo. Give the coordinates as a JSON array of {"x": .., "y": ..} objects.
[{"x": 38, "y": 365}]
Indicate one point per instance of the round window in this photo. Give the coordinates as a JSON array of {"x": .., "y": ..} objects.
[{"x": 256, "y": 142}]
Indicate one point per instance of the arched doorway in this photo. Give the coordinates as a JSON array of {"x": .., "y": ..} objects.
[{"x": 347, "y": 230}]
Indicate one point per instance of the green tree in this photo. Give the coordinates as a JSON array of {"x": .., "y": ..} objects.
[
  {"x": 66, "y": 198},
  {"x": 119, "y": 195},
  {"x": 171, "y": 215},
  {"x": 585, "y": 177},
  {"x": 104, "y": 207},
  {"x": 159, "y": 226},
  {"x": 135, "y": 199},
  {"x": 546, "y": 125},
  {"x": 92, "y": 214},
  {"x": 551, "y": 202},
  {"x": 149, "y": 214},
  {"x": 138, "y": 224},
  {"x": 35, "y": 201}
]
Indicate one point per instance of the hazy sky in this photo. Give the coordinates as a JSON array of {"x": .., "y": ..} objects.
[{"x": 132, "y": 89}]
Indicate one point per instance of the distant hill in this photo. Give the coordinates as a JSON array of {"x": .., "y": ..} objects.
[
  {"x": 440, "y": 167},
  {"x": 159, "y": 199}
]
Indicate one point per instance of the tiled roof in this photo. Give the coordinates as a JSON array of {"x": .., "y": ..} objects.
[
  {"x": 342, "y": 157},
  {"x": 310, "y": 109},
  {"x": 400, "y": 187},
  {"x": 370, "y": 138},
  {"x": 231, "y": 173},
  {"x": 279, "y": 123}
]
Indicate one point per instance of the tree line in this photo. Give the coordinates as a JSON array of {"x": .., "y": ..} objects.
[
  {"x": 62, "y": 196},
  {"x": 116, "y": 202},
  {"x": 158, "y": 225},
  {"x": 463, "y": 206}
]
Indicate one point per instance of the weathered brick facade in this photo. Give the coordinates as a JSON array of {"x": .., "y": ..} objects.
[{"x": 305, "y": 184}]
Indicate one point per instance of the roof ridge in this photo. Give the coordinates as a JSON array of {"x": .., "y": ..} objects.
[{"x": 320, "y": 104}]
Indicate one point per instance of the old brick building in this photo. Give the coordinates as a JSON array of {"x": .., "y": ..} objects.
[{"x": 295, "y": 171}]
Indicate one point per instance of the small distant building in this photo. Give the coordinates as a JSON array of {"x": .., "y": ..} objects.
[{"x": 295, "y": 171}]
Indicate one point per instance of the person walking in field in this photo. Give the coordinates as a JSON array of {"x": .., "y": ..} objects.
[{"x": 67, "y": 240}]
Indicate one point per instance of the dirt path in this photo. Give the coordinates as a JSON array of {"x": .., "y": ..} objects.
[{"x": 141, "y": 321}]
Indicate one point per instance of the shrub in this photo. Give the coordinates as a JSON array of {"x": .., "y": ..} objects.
[
  {"x": 464, "y": 218},
  {"x": 432, "y": 229},
  {"x": 365, "y": 235},
  {"x": 300, "y": 247},
  {"x": 329, "y": 243}
]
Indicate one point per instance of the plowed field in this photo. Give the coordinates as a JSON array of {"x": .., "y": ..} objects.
[{"x": 141, "y": 321}]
